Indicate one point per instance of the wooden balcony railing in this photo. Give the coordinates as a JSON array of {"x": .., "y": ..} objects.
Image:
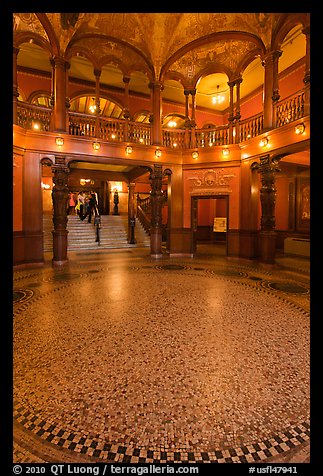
[
  {"x": 290, "y": 109},
  {"x": 119, "y": 130},
  {"x": 174, "y": 138},
  {"x": 252, "y": 127},
  {"x": 210, "y": 137},
  {"x": 30, "y": 116}
]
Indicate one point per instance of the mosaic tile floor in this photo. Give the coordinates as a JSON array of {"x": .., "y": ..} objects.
[{"x": 121, "y": 357}]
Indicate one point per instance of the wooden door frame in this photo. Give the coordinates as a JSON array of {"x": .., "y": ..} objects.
[{"x": 194, "y": 216}]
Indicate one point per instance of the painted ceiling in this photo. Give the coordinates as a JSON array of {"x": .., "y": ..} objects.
[{"x": 174, "y": 47}]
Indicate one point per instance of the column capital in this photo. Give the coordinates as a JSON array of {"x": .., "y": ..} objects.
[
  {"x": 271, "y": 56},
  {"x": 126, "y": 79},
  {"x": 156, "y": 85},
  {"x": 58, "y": 62},
  {"x": 97, "y": 72}
]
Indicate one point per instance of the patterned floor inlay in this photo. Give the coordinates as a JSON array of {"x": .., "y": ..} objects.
[{"x": 175, "y": 361}]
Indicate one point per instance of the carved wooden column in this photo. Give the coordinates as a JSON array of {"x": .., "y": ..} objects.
[
  {"x": 59, "y": 112},
  {"x": 126, "y": 113},
  {"x": 267, "y": 167},
  {"x": 67, "y": 99},
  {"x": 193, "y": 123},
  {"x": 237, "y": 115},
  {"x": 275, "y": 96},
  {"x": 15, "y": 85},
  {"x": 306, "y": 79},
  {"x": 187, "y": 118},
  {"x": 231, "y": 112},
  {"x": 60, "y": 203},
  {"x": 97, "y": 74},
  {"x": 155, "y": 178},
  {"x": 131, "y": 213},
  {"x": 270, "y": 84},
  {"x": 156, "y": 87}
]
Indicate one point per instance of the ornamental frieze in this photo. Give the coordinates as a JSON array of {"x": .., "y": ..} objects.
[{"x": 211, "y": 181}]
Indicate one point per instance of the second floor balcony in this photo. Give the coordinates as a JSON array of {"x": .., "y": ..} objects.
[{"x": 32, "y": 117}]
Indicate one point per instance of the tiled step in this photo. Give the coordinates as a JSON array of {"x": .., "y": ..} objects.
[{"x": 82, "y": 235}]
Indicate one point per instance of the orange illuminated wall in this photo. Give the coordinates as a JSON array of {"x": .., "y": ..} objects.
[
  {"x": 17, "y": 192},
  {"x": 29, "y": 83},
  {"x": 291, "y": 83}
]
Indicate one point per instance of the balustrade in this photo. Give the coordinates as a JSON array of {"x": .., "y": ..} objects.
[
  {"x": 81, "y": 125},
  {"x": 30, "y": 116},
  {"x": 174, "y": 138},
  {"x": 251, "y": 127},
  {"x": 211, "y": 137},
  {"x": 290, "y": 109},
  {"x": 138, "y": 132}
]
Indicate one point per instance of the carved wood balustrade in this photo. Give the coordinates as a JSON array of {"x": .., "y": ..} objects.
[{"x": 120, "y": 130}]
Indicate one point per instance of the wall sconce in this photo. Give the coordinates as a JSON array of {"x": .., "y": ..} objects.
[
  {"x": 264, "y": 142},
  {"x": 300, "y": 128},
  {"x": 128, "y": 149},
  {"x": 59, "y": 141},
  {"x": 225, "y": 152},
  {"x": 96, "y": 145},
  {"x": 195, "y": 154},
  {"x": 158, "y": 153}
]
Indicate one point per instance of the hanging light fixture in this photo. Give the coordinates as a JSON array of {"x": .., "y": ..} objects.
[
  {"x": 128, "y": 149},
  {"x": 96, "y": 145},
  {"x": 218, "y": 98},
  {"x": 195, "y": 154},
  {"x": 92, "y": 107}
]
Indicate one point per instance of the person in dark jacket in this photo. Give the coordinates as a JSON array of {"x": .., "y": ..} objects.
[{"x": 91, "y": 208}]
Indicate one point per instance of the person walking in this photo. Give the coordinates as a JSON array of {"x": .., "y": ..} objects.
[
  {"x": 91, "y": 208},
  {"x": 71, "y": 204},
  {"x": 80, "y": 204}
]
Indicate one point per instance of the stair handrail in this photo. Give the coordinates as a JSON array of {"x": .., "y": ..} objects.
[
  {"x": 143, "y": 219},
  {"x": 97, "y": 224}
]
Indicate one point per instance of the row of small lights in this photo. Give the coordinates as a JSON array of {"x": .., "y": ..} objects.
[{"x": 299, "y": 129}]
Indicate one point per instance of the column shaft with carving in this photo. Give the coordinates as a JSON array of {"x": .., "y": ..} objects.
[
  {"x": 193, "y": 123},
  {"x": 126, "y": 112},
  {"x": 60, "y": 204},
  {"x": 97, "y": 74},
  {"x": 306, "y": 79},
  {"x": 155, "y": 178},
  {"x": 15, "y": 85},
  {"x": 231, "y": 112},
  {"x": 156, "y": 87},
  {"x": 59, "y": 112},
  {"x": 268, "y": 167},
  {"x": 271, "y": 93},
  {"x": 237, "y": 115}
]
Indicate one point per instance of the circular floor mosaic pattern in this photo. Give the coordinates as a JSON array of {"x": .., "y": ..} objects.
[{"x": 161, "y": 366}]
